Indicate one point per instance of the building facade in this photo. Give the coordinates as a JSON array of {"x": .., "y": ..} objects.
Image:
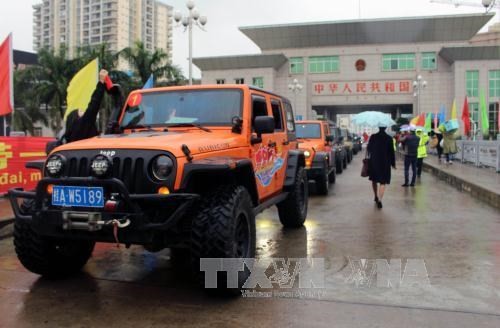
[
  {"x": 401, "y": 66},
  {"x": 119, "y": 23}
]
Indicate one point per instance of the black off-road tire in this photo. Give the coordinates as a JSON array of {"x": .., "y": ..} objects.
[
  {"x": 345, "y": 161},
  {"x": 293, "y": 210},
  {"x": 332, "y": 177},
  {"x": 49, "y": 257},
  {"x": 223, "y": 227},
  {"x": 339, "y": 167},
  {"x": 322, "y": 182}
]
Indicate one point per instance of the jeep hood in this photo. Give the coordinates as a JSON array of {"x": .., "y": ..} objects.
[
  {"x": 309, "y": 143},
  {"x": 172, "y": 141}
]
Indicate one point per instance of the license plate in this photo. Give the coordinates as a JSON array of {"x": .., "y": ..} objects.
[{"x": 78, "y": 196}]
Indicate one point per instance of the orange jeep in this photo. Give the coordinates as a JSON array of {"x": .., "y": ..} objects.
[
  {"x": 316, "y": 141},
  {"x": 186, "y": 168}
]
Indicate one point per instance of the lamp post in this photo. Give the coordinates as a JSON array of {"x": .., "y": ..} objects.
[
  {"x": 295, "y": 87},
  {"x": 418, "y": 85},
  {"x": 193, "y": 18}
]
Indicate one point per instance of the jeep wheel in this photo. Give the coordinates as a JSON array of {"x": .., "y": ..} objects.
[
  {"x": 332, "y": 177},
  {"x": 224, "y": 227},
  {"x": 53, "y": 258},
  {"x": 345, "y": 161},
  {"x": 322, "y": 182},
  {"x": 293, "y": 210},
  {"x": 339, "y": 167}
]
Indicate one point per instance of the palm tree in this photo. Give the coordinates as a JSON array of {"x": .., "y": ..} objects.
[
  {"x": 146, "y": 63},
  {"x": 27, "y": 103}
]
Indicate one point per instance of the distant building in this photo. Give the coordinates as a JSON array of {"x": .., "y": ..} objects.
[
  {"x": 23, "y": 59},
  {"x": 350, "y": 66},
  {"x": 119, "y": 23}
]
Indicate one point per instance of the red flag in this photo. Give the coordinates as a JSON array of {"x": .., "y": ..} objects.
[
  {"x": 108, "y": 82},
  {"x": 6, "y": 98},
  {"x": 466, "y": 117}
]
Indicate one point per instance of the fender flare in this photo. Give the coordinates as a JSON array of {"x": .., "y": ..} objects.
[{"x": 295, "y": 160}]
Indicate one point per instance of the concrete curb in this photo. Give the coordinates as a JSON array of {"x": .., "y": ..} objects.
[{"x": 488, "y": 196}]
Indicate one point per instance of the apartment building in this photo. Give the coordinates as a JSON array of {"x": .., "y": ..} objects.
[{"x": 119, "y": 23}]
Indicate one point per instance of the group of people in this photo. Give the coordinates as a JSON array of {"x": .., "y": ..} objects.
[{"x": 413, "y": 143}]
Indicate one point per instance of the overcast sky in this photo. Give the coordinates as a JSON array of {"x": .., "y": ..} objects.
[{"x": 222, "y": 36}]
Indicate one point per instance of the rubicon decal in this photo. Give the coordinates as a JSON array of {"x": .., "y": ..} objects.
[{"x": 268, "y": 161}]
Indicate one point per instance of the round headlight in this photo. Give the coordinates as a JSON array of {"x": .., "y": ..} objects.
[
  {"x": 100, "y": 166},
  {"x": 54, "y": 165},
  {"x": 307, "y": 153},
  {"x": 162, "y": 167}
]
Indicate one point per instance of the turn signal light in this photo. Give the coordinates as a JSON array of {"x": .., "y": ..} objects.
[
  {"x": 163, "y": 191},
  {"x": 50, "y": 189}
]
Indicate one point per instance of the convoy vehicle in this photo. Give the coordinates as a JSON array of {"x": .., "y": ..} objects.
[
  {"x": 340, "y": 149},
  {"x": 315, "y": 139},
  {"x": 357, "y": 143},
  {"x": 186, "y": 168},
  {"x": 347, "y": 140}
]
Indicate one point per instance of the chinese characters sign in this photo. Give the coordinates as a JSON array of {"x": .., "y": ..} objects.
[
  {"x": 14, "y": 153},
  {"x": 356, "y": 88}
]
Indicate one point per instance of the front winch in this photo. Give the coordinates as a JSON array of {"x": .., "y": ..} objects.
[{"x": 89, "y": 221}]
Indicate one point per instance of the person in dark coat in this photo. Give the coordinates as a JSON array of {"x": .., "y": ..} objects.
[
  {"x": 410, "y": 145},
  {"x": 380, "y": 152},
  {"x": 82, "y": 125}
]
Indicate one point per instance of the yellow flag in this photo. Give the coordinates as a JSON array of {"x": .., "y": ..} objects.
[
  {"x": 454, "y": 110},
  {"x": 81, "y": 87}
]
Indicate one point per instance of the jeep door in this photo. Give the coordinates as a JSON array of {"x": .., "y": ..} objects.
[
  {"x": 328, "y": 145},
  {"x": 266, "y": 159}
]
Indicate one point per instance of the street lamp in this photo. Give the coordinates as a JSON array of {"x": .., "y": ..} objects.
[
  {"x": 295, "y": 87},
  {"x": 195, "y": 18},
  {"x": 418, "y": 85}
]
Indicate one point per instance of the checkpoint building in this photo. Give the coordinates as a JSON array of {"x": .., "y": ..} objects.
[{"x": 401, "y": 66}]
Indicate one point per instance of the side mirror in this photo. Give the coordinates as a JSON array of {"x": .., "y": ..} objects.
[
  {"x": 329, "y": 138},
  {"x": 263, "y": 125}
]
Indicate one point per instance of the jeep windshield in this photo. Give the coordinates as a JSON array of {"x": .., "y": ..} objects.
[
  {"x": 183, "y": 108},
  {"x": 308, "y": 131}
]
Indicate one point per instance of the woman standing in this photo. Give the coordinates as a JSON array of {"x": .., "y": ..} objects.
[
  {"x": 380, "y": 152},
  {"x": 449, "y": 145}
]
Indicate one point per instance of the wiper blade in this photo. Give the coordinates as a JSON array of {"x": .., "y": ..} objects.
[
  {"x": 140, "y": 126},
  {"x": 196, "y": 125}
]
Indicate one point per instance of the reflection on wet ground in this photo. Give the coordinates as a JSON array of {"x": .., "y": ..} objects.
[{"x": 457, "y": 238}]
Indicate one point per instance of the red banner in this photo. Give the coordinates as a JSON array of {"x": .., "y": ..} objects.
[{"x": 14, "y": 153}]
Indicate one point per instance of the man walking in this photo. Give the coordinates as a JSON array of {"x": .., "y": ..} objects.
[{"x": 410, "y": 146}]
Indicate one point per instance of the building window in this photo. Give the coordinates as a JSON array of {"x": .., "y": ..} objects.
[
  {"x": 398, "y": 62},
  {"x": 429, "y": 61},
  {"x": 472, "y": 83},
  {"x": 494, "y": 83},
  {"x": 324, "y": 64},
  {"x": 258, "y": 82},
  {"x": 220, "y": 81},
  {"x": 296, "y": 65},
  {"x": 493, "y": 119},
  {"x": 239, "y": 80},
  {"x": 474, "y": 112}
]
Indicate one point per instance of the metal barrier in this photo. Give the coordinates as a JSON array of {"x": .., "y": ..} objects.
[{"x": 480, "y": 153}]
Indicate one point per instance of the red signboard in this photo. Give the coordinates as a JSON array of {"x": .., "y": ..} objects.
[
  {"x": 356, "y": 88},
  {"x": 14, "y": 153}
]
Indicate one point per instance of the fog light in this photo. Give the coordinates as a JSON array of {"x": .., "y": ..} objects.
[
  {"x": 110, "y": 206},
  {"x": 50, "y": 189},
  {"x": 163, "y": 191}
]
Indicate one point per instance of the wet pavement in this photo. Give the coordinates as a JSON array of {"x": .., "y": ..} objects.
[{"x": 456, "y": 237}]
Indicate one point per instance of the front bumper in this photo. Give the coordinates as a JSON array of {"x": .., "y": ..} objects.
[{"x": 147, "y": 213}]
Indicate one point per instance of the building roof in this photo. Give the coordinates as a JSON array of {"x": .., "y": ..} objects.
[
  {"x": 240, "y": 62},
  {"x": 24, "y": 57},
  {"x": 452, "y": 54},
  {"x": 370, "y": 31}
]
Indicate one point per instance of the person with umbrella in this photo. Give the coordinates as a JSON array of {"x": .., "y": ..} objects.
[{"x": 380, "y": 152}]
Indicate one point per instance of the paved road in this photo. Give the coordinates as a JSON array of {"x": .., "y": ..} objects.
[{"x": 456, "y": 237}]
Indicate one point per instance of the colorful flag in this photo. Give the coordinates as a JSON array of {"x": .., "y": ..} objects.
[
  {"x": 149, "y": 83},
  {"x": 466, "y": 117},
  {"x": 428, "y": 122},
  {"x": 442, "y": 114},
  {"x": 454, "y": 110},
  {"x": 81, "y": 87},
  {"x": 485, "y": 124},
  {"x": 6, "y": 60}
]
